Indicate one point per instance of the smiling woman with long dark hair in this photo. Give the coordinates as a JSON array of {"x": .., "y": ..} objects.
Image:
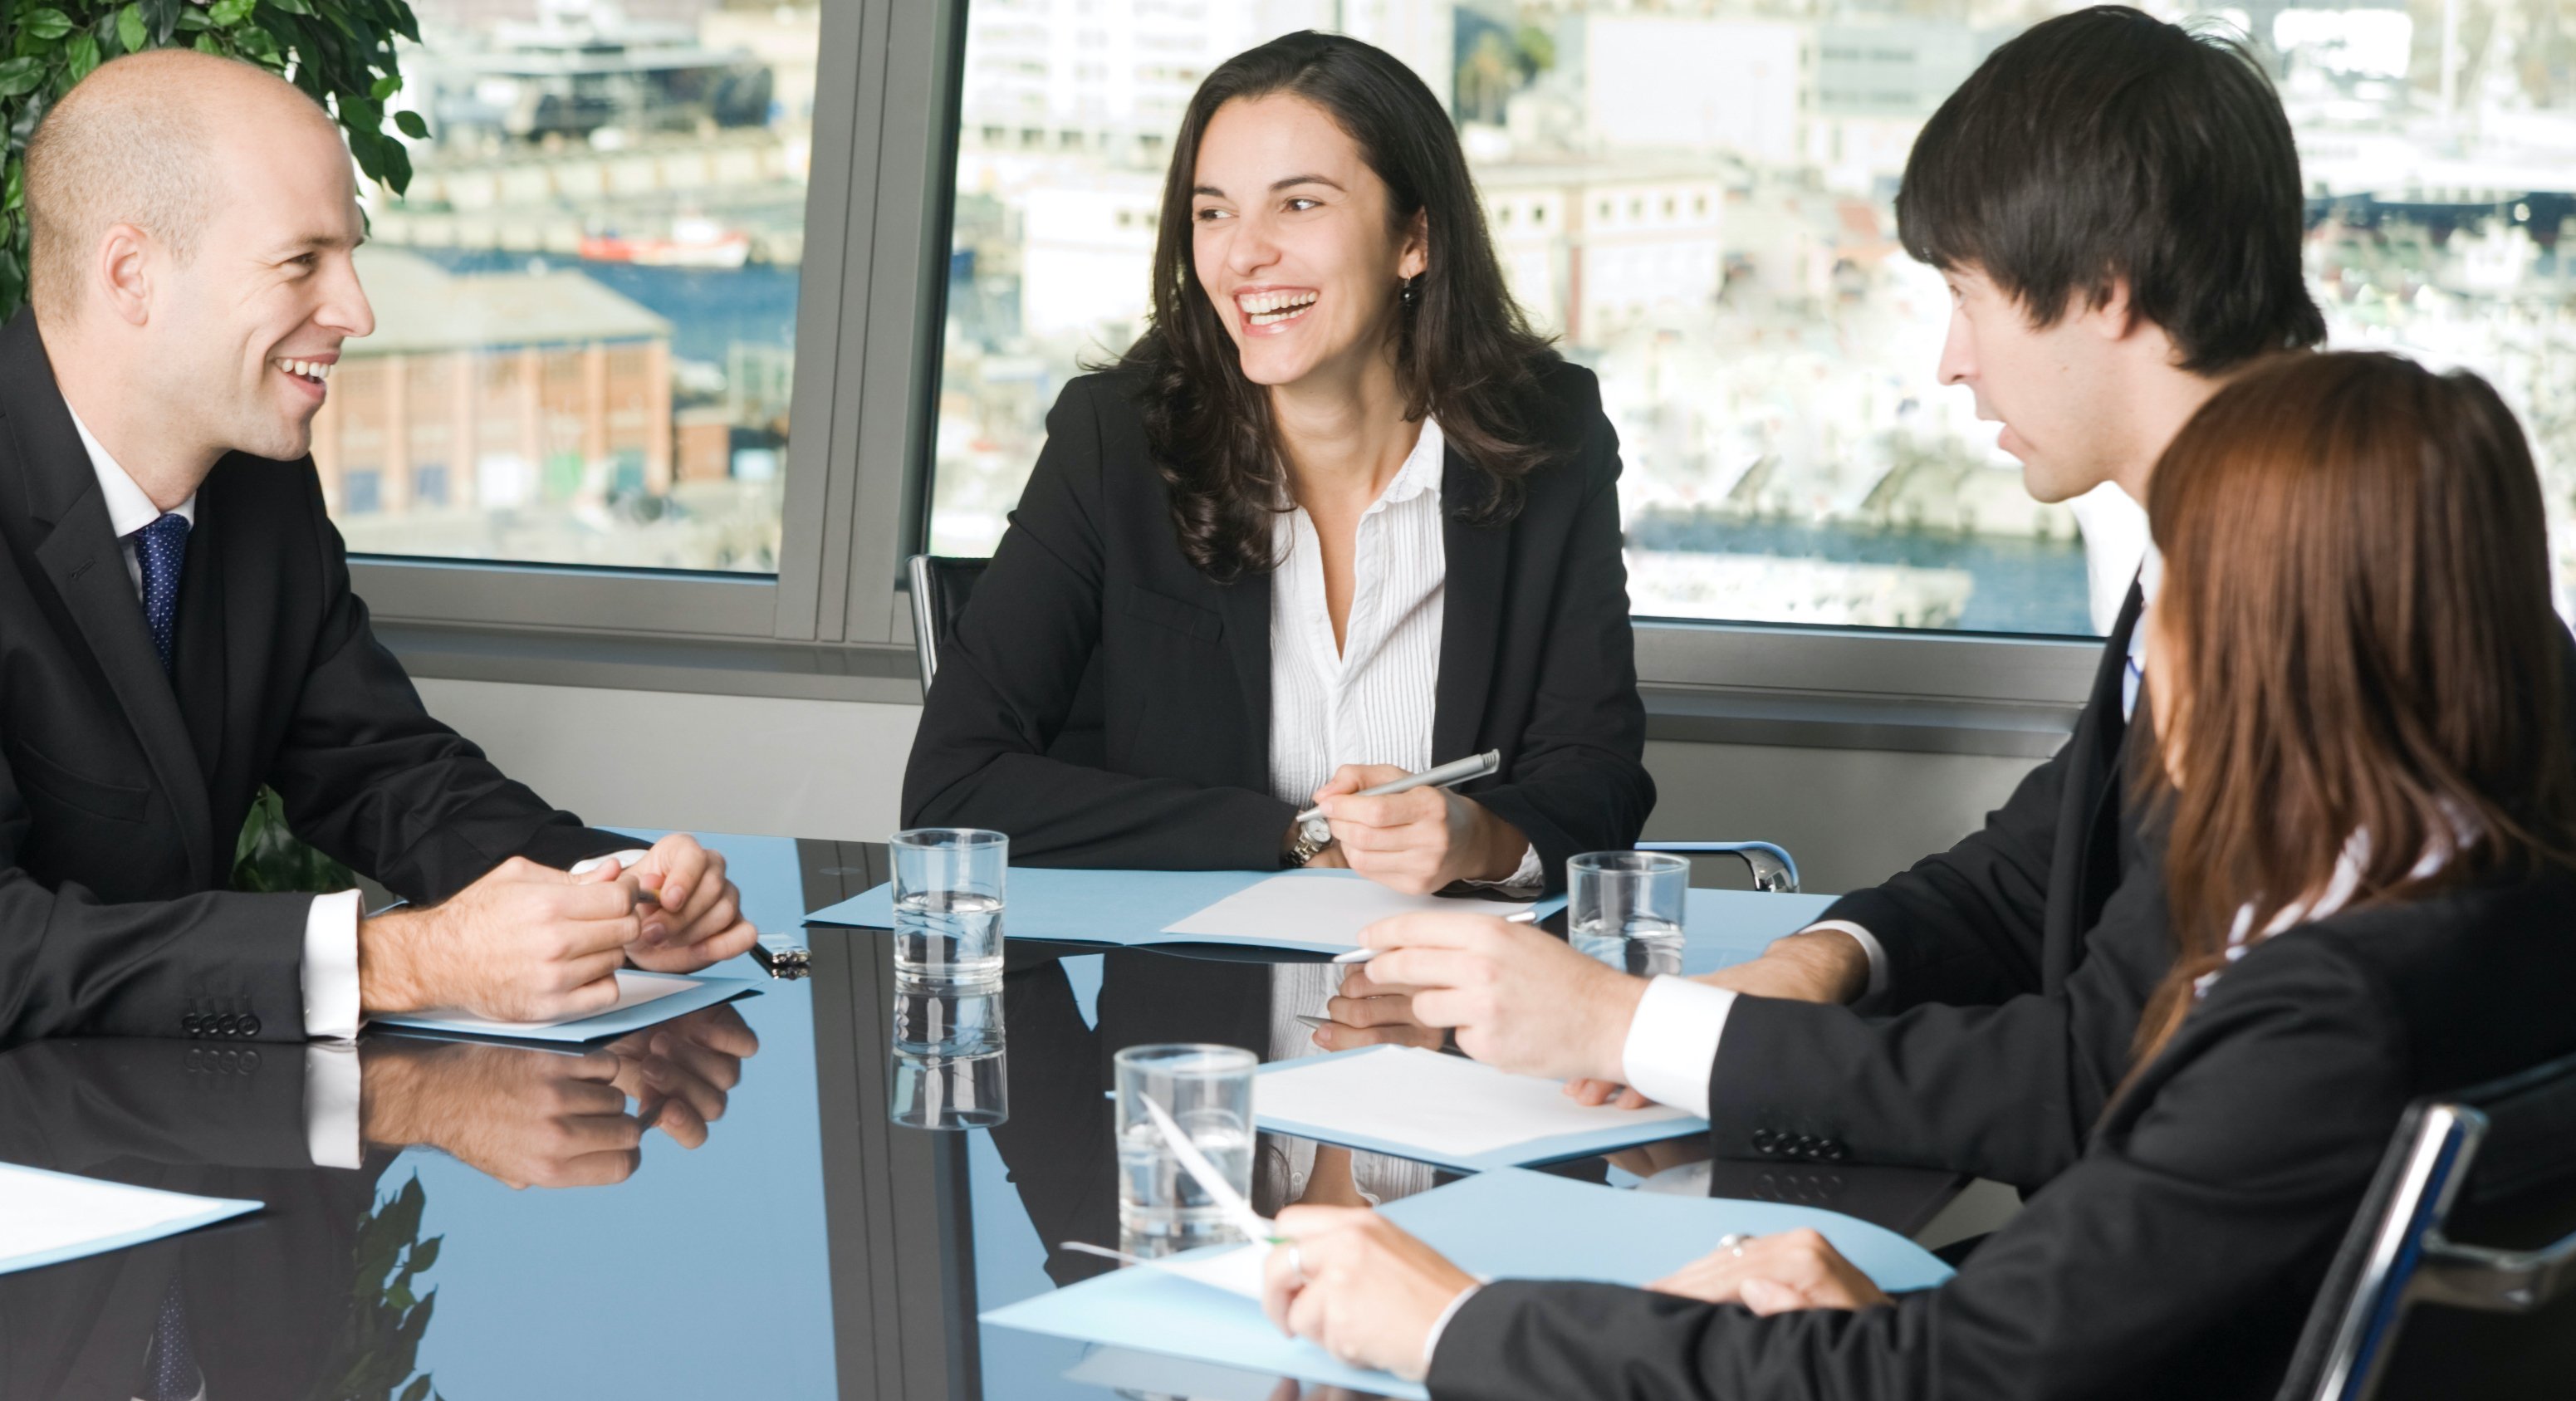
[{"x": 1338, "y": 516}]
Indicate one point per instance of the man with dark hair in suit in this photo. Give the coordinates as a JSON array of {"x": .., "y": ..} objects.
[
  {"x": 2115, "y": 205},
  {"x": 177, "y": 628}
]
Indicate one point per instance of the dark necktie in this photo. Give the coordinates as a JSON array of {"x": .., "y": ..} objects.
[
  {"x": 170, "y": 1369},
  {"x": 161, "y": 548}
]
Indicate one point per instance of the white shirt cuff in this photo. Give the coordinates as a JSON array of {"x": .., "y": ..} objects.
[
  {"x": 1440, "y": 1325},
  {"x": 331, "y": 1085},
  {"x": 1869, "y": 945},
  {"x": 1529, "y": 875},
  {"x": 1672, "y": 1042},
  {"x": 331, "y": 966}
]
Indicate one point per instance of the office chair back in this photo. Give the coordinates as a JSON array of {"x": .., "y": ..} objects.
[
  {"x": 2409, "y": 1310},
  {"x": 939, "y": 590}
]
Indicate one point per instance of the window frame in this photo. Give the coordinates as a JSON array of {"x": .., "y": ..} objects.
[{"x": 835, "y": 622}]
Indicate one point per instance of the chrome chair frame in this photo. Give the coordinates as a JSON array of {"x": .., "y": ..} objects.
[
  {"x": 2411, "y": 1259},
  {"x": 1774, "y": 869}
]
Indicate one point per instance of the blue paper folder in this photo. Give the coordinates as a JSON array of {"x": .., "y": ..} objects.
[
  {"x": 1620, "y": 1129},
  {"x": 190, "y": 1212},
  {"x": 1127, "y": 908},
  {"x": 1131, "y": 908},
  {"x": 1507, "y": 1224},
  {"x": 707, "y": 993}
]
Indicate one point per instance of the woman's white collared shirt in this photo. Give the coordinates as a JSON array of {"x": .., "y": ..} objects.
[{"x": 1368, "y": 701}]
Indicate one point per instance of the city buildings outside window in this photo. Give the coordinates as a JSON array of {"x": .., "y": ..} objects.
[
  {"x": 585, "y": 302},
  {"x": 1695, "y": 198}
]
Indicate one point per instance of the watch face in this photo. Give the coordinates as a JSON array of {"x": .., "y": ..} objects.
[{"x": 1318, "y": 831}]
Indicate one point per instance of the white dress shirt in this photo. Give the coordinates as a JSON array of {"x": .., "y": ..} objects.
[
  {"x": 1367, "y": 701},
  {"x": 330, "y": 922},
  {"x": 1672, "y": 1041}
]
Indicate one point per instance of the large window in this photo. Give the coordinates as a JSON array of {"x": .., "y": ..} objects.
[
  {"x": 1696, "y": 199},
  {"x": 586, "y": 302}
]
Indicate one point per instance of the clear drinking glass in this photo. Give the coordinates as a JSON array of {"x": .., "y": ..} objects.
[
  {"x": 1625, "y": 908},
  {"x": 948, "y": 1065},
  {"x": 948, "y": 904},
  {"x": 1208, "y": 1091}
]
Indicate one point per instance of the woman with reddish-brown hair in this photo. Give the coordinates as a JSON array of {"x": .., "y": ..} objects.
[{"x": 2363, "y": 782}]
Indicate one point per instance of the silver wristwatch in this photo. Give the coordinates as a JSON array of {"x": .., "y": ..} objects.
[{"x": 1305, "y": 839}]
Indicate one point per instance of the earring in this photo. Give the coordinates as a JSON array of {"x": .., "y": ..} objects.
[{"x": 1409, "y": 284}]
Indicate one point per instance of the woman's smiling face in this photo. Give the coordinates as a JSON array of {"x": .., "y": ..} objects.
[{"x": 1292, "y": 241}]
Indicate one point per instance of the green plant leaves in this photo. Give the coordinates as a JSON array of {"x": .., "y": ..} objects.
[{"x": 340, "y": 51}]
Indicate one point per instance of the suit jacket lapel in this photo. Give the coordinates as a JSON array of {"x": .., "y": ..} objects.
[
  {"x": 1245, "y": 604},
  {"x": 2091, "y": 796},
  {"x": 1471, "y": 611},
  {"x": 81, "y": 555}
]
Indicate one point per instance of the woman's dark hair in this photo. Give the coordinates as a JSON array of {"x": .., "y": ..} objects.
[
  {"x": 2106, "y": 144},
  {"x": 1463, "y": 351},
  {"x": 2357, "y": 595}
]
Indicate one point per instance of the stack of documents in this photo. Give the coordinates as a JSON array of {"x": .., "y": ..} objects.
[
  {"x": 643, "y": 999},
  {"x": 1205, "y": 1305},
  {"x": 1447, "y": 1110},
  {"x": 1311, "y": 911},
  {"x": 46, "y": 1217}
]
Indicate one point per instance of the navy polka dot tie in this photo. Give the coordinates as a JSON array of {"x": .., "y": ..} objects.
[
  {"x": 161, "y": 548},
  {"x": 170, "y": 1366}
]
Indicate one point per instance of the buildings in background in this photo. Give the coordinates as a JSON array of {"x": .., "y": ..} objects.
[
  {"x": 585, "y": 298},
  {"x": 1696, "y": 197}
]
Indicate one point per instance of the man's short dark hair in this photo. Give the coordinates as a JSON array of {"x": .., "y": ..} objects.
[{"x": 2106, "y": 144}]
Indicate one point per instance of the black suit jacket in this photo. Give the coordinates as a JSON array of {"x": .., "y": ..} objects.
[
  {"x": 265, "y": 1297},
  {"x": 2179, "y": 1256},
  {"x": 122, "y": 790},
  {"x": 1106, "y": 704},
  {"x": 1991, "y": 946}
]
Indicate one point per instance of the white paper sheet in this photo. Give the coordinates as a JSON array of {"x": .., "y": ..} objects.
[
  {"x": 1293, "y": 909},
  {"x": 1437, "y": 1103},
  {"x": 50, "y": 1216},
  {"x": 633, "y": 989},
  {"x": 1236, "y": 1271}
]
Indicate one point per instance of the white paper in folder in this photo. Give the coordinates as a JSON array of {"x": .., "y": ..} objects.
[{"x": 1299, "y": 911}]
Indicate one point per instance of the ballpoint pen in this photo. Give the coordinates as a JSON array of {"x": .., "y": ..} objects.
[
  {"x": 1447, "y": 775},
  {"x": 1238, "y": 1212},
  {"x": 1358, "y": 956}
]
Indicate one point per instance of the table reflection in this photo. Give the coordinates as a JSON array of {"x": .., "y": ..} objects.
[{"x": 329, "y": 1290}]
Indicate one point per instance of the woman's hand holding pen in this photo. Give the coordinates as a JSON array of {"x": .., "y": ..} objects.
[{"x": 1416, "y": 841}]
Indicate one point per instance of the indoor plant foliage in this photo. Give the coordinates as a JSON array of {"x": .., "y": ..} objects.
[{"x": 340, "y": 51}]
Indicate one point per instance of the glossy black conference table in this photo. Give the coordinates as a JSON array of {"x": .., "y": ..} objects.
[{"x": 806, "y": 1248}]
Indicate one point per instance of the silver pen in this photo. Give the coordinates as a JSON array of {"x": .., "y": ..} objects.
[
  {"x": 1353, "y": 956},
  {"x": 1447, "y": 775}
]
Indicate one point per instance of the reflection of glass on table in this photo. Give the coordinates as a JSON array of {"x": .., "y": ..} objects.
[
  {"x": 947, "y": 1069},
  {"x": 1208, "y": 1091},
  {"x": 1624, "y": 908}
]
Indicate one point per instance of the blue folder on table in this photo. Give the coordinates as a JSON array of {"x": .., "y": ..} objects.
[
  {"x": 1132, "y": 908},
  {"x": 705, "y": 992},
  {"x": 1460, "y": 1087},
  {"x": 73, "y": 1216},
  {"x": 1507, "y": 1224}
]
